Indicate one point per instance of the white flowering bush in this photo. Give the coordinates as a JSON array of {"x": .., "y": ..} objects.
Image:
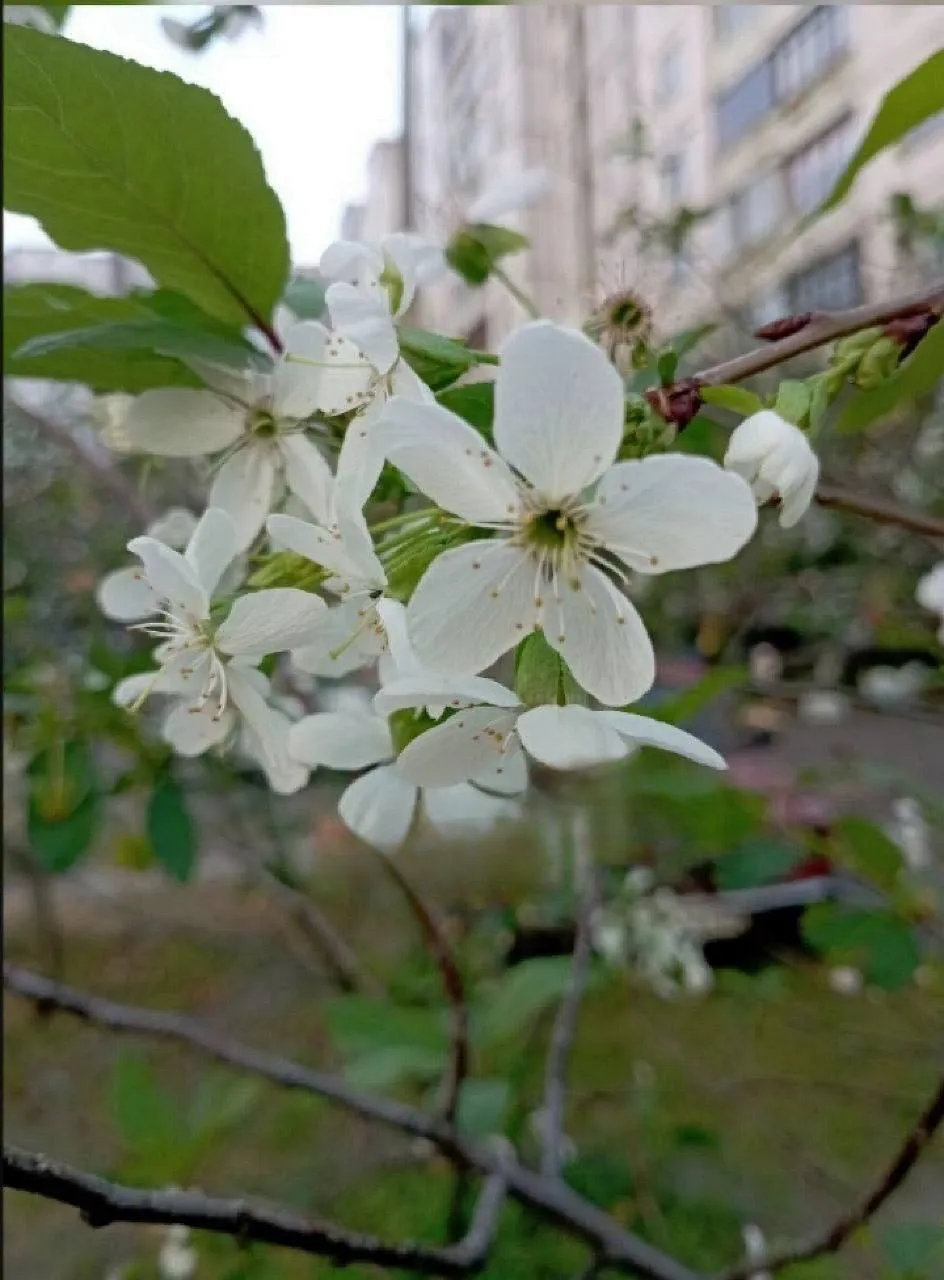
[{"x": 485, "y": 553}]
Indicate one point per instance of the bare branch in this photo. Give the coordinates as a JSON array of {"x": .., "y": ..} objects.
[
  {"x": 822, "y": 329},
  {"x": 102, "y": 1203},
  {"x": 881, "y": 512},
  {"x": 565, "y": 1023},
  {"x": 453, "y": 987},
  {"x": 838, "y": 1235},
  {"x": 551, "y": 1199}
]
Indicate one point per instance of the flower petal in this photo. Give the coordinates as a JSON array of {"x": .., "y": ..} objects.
[
  {"x": 408, "y": 384},
  {"x": 453, "y": 691},
  {"x": 558, "y": 408},
  {"x": 346, "y": 379},
  {"x": 171, "y": 577},
  {"x": 455, "y": 811},
  {"x": 244, "y": 487},
  {"x": 175, "y": 422},
  {"x": 270, "y": 622},
  {"x": 341, "y": 740},
  {"x": 644, "y": 731},
  {"x": 296, "y": 382},
  {"x": 672, "y": 511},
  {"x": 361, "y": 459},
  {"x": 466, "y": 746},
  {"x": 513, "y": 192},
  {"x": 126, "y": 596},
  {"x": 379, "y": 808},
  {"x": 399, "y": 659},
  {"x": 212, "y": 547},
  {"x": 345, "y": 260},
  {"x": 448, "y": 461},
  {"x": 308, "y": 475},
  {"x": 472, "y": 604},
  {"x": 509, "y": 775},
  {"x": 569, "y": 737},
  {"x": 601, "y": 637},
  {"x": 268, "y": 735},
  {"x": 191, "y": 730},
  {"x": 365, "y": 320},
  {"x": 418, "y": 260},
  {"x": 343, "y": 640},
  {"x": 175, "y": 527},
  {"x": 315, "y": 543}
]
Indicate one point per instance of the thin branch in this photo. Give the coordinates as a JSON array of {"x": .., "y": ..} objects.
[
  {"x": 565, "y": 1023},
  {"x": 551, "y": 1199},
  {"x": 823, "y": 329},
  {"x": 881, "y": 512},
  {"x": 102, "y": 1203},
  {"x": 96, "y": 461},
  {"x": 453, "y": 988},
  {"x": 839, "y": 1234}
]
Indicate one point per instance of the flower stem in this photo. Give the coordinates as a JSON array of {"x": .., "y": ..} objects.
[{"x": 526, "y": 303}]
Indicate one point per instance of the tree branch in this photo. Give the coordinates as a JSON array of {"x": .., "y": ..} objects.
[
  {"x": 828, "y": 495},
  {"x": 822, "y": 329},
  {"x": 833, "y": 1240},
  {"x": 551, "y": 1199},
  {"x": 102, "y": 1203},
  {"x": 565, "y": 1023}
]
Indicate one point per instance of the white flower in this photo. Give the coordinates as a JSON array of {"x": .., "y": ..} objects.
[
  {"x": 374, "y": 285},
  {"x": 380, "y": 806},
  {"x": 930, "y": 594},
  {"x": 255, "y": 421},
  {"x": 776, "y": 459},
  {"x": 571, "y": 518},
  {"x": 177, "y": 1259},
  {"x": 125, "y": 595},
  {"x": 509, "y": 194},
  {"x": 491, "y": 727}
]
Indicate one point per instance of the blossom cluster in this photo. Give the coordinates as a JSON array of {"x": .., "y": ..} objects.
[{"x": 537, "y": 531}]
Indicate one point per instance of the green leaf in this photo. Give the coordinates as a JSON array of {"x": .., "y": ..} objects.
[
  {"x": 667, "y": 364},
  {"x": 756, "y": 862},
  {"x": 155, "y": 335},
  {"x": 145, "y": 1114},
  {"x": 737, "y": 399},
  {"x": 475, "y": 402},
  {"x": 684, "y": 706},
  {"x": 915, "y": 1249},
  {"x": 483, "y": 1105},
  {"x": 305, "y": 298},
  {"x": 361, "y": 1025},
  {"x": 395, "y": 1064},
  {"x": 881, "y": 944},
  {"x": 170, "y": 829},
  {"x": 866, "y": 849},
  {"x": 110, "y": 154},
  {"x": 437, "y": 360},
  {"x": 537, "y": 672},
  {"x": 918, "y": 376},
  {"x": 36, "y": 310},
  {"x": 60, "y": 844},
  {"x": 909, "y": 103},
  {"x": 498, "y": 242},
  {"x": 793, "y": 401},
  {"x": 521, "y": 994}
]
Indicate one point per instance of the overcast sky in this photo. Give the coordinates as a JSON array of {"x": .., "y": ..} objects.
[{"x": 315, "y": 88}]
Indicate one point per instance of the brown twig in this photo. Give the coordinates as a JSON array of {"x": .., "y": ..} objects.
[
  {"x": 102, "y": 1203},
  {"x": 552, "y": 1199},
  {"x": 819, "y": 331},
  {"x": 833, "y": 1240},
  {"x": 880, "y": 512},
  {"x": 565, "y": 1023}
]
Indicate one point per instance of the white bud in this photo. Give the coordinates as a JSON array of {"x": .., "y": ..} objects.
[{"x": 776, "y": 460}]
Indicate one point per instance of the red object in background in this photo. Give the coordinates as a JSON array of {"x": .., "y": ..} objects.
[{"x": 816, "y": 865}]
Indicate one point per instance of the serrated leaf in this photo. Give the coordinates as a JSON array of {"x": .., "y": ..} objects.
[
  {"x": 909, "y": 103},
  {"x": 171, "y": 830},
  {"x": 483, "y": 1105},
  {"x": 474, "y": 402},
  {"x": 918, "y": 376},
  {"x": 305, "y": 298},
  {"x": 60, "y": 844},
  {"x": 737, "y": 399},
  {"x": 756, "y": 862},
  {"x": 35, "y": 310},
  {"x": 437, "y": 360},
  {"x": 108, "y": 153},
  {"x": 793, "y": 401},
  {"x": 521, "y": 994},
  {"x": 865, "y": 848}
]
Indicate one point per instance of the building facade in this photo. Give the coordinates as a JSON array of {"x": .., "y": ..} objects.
[{"x": 687, "y": 144}]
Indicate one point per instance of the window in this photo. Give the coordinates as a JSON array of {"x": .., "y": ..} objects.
[
  {"x": 731, "y": 19},
  {"x": 673, "y": 178},
  {"x": 830, "y": 284},
  {"x": 751, "y": 215},
  {"x": 671, "y": 75},
  {"x": 812, "y": 172},
  {"x": 770, "y": 306},
  {"x": 745, "y": 103},
  {"x": 809, "y": 49}
]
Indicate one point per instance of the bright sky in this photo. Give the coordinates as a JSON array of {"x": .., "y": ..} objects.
[{"x": 316, "y": 88}]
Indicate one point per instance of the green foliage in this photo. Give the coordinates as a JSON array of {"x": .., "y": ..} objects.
[
  {"x": 756, "y": 862},
  {"x": 909, "y": 103},
  {"x": 520, "y": 994},
  {"x": 475, "y": 402},
  {"x": 386, "y": 1045},
  {"x": 189, "y": 200},
  {"x": 305, "y": 298},
  {"x": 737, "y": 399},
  {"x": 475, "y": 250},
  {"x": 171, "y": 830},
  {"x": 878, "y": 942},
  {"x": 63, "y": 805},
  {"x": 682, "y": 707},
  {"x": 914, "y": 1249},
  {"x": 539, "y": 672},
  {"x": 793, "y": 401},
  {"x": 866, "y": 849},
  {"x": 483, "y": 1105},
  {"x": 437, "y": 360},
  {"x": 34, "y": 311},
  {"x": 917, "y": 376}
]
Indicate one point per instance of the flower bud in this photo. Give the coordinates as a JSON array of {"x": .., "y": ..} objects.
[{"x": 776, "y": 460}]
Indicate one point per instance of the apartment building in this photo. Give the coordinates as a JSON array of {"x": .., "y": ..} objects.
[{"x": 687, "y": 144}]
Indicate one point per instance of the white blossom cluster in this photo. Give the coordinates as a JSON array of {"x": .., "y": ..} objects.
[{"x": 544, "y": 532}]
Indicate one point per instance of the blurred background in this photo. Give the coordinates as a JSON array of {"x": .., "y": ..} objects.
[{"x": 688, "y": 146}]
